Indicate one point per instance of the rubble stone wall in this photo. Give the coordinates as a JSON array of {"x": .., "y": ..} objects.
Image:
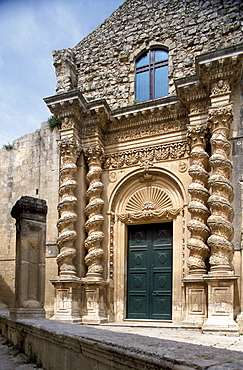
[{"x": 104, "y": 60}]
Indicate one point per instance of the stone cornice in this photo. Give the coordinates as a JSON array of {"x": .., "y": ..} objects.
[{"x": 225, "y": 64}]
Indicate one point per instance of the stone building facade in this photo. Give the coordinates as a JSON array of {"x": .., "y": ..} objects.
[{"x": 150, "y": 187}]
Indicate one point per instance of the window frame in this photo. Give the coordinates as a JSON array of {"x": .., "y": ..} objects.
[{"x": 151, "y": 67}]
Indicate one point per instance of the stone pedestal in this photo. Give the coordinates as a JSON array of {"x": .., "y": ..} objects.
[
  {"x": 67, "y": 300},
  {"x": 30, "y": 215},
  {"x": 221, "y": 305},
  {"x": 94, "y": 302},
  {"x": 196, "y": 298}
]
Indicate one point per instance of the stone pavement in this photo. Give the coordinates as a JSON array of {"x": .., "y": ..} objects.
[
  {"x": 147, "y": 345},
  {"x": 176, "y": 334},
  {"x": 10, "y": 361}
]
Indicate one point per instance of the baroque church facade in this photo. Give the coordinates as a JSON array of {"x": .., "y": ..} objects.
[{"x": 150, "y": 185}]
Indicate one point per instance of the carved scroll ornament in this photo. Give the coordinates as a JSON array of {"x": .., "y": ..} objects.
[{"x": 149, "y": 215}]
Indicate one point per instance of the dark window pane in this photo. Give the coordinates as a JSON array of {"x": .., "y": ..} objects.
[
  {"x": 160, "y": 55},
  {"x": 142, "y": 86},
  {"x": 143, "y": 60},
  {"x": 160, "y": 82}
]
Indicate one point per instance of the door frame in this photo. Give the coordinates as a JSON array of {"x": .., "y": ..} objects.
[
  {"x": 150, "y": 254},
  {"x": 119, "y": 236}
]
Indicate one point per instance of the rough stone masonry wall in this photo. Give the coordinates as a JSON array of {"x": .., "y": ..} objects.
[
  {"x": 105, "y": 58},
  {"x": 30, "y": 168}
]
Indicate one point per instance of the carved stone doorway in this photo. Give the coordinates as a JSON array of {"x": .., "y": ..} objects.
[{"x": 149, "y": 273}]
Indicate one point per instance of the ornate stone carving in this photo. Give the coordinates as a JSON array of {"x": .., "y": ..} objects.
[
  {"x": 94, "y": 157},
  {"x": 197, "y": 206},
  {"x": 144, "y": 130},
  {"x": 146, "y": 156},
  {"x": 148, "y": 203},
  {"x": 220, "y": 87},
  {"x": 182, "y": 166},
  {"x": 69, "y": 150},
  {"x": 220, "y": 221},
  {"x": 63, "y": 61}
]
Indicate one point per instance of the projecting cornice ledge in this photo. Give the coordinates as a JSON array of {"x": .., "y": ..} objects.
[{"x": 220, "y": 65}]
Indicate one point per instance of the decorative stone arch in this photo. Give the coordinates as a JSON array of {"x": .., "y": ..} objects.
[{"x": 140, "y": 198}]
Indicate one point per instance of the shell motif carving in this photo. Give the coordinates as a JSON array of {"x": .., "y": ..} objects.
[
  {"x": 69, "y": 150},
  {"x": 220, "y": 220},
  {"x": 149, "y": 203},
  {"x": 93, "y": 225},
  {"x": 198, "y": 204}
]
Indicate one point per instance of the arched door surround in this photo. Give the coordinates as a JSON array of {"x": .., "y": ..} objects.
[{"x": 150, "y": 197}]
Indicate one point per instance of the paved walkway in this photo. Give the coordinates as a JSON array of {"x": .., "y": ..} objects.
[
  {"x": 188, "y": 349},
  {"x": 178, "y": 335}
]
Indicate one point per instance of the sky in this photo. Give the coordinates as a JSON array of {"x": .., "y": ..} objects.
[{"x": 29, "y": 31}]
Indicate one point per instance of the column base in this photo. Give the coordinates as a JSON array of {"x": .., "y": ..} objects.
[
  {"x": 94, "y": 310},
  {"x": 221, "y": 305},
  {"x": 239, "y": 321},
  {"x": 221, "y": 326},
  {"x": 28, "y": 313},
  {"x": 196, "y": 311},
  {"x": 67, "y": 300}
]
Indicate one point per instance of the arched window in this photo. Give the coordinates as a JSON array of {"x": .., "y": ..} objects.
[{"x": 151, "y": 70}]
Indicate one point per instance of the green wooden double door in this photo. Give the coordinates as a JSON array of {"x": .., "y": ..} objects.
[{"x": 149, "y": 277}]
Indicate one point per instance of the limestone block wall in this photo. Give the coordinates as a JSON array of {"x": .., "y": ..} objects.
[
  {"x": 30, "y": 168},
  {"x": 103, "y": 62}
]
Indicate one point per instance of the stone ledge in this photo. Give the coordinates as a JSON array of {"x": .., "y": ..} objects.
[{"x": 66, "y": 346}]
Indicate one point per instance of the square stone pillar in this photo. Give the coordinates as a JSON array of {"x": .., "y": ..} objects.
[
  {"x": 196, "y": 302},
  {"x": 94, "y": 302},
  {"x": 30, "y": 215},
  {"x": 221, "y": 305}
]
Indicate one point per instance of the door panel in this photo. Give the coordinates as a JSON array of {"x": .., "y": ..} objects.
[{"x": 150, "y": 271}]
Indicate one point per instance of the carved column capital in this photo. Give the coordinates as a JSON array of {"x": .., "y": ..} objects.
[
  {"x": 69, "y": 147},
  {"x": 220, "y": 117},
  {"x": 94, "y": 154},
  {"x": 196, "y": 134}
]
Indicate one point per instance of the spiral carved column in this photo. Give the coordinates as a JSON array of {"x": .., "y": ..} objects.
[
  {"x": 67, "y": 284},
  {"x": 220, "y": 279},
  {"x": 95, "y": 287},
  {"x": 70, "y": 150},
  {"x": 94, "y": 157},
  {"x": 197, "y": 206},
  {"x": 220, "y": 220},
  {"x": 195, "y": 286}
]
